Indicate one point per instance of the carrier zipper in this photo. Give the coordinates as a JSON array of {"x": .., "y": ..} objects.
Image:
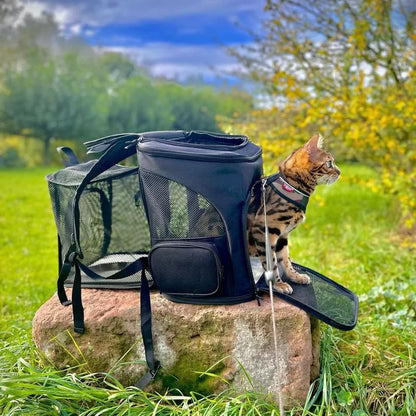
[
  {"x": 178, "y": 142},
  {"x": 229, "y": 157}
]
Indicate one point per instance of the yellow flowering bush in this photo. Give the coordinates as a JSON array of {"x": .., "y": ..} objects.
[{"x": 346, "y": 70}]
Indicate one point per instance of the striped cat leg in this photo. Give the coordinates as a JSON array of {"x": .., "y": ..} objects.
[{"x": 282, "y": 252}]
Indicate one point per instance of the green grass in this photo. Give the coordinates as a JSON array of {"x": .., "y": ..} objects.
[{"x": 351, "y": 235}]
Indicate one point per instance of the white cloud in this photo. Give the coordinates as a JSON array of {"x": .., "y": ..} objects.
[
  {"x": 75, "y": 29},
  {"x": 35, "y": 8},
  {"x": 180, "y": 61}
]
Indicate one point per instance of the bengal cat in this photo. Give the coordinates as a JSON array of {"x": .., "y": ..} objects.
[{"x": 300, "y": 173}]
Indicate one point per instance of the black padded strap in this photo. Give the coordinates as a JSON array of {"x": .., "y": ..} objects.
[
  {"x": 119, "y": 151},
  {"x": 146, "y": 327},
  {"x": 77, "y": 308},
  {"x": 102, "y": 144},
  {"x": 67, "y": 155}
]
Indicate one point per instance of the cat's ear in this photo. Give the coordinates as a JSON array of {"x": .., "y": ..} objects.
[{"x": 315, "y": 143}]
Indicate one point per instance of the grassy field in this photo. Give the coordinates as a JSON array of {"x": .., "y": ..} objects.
[{"x": 351, "y": 235}]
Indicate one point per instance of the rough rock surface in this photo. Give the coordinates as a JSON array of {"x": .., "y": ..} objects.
[{"x": 189, "y": 339}]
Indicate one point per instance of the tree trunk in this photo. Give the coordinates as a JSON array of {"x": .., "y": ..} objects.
[{"x": 46, "y": 154}]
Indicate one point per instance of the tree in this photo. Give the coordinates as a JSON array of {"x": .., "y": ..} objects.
[
  {"x": 346, "y": 68},
  {"x": 199, "y": 107},
  {"x": 57, "y": 87},
  {"x": 118, "y": 67},
  {"x": 136, "y": 105},
  {"x": 51, "y": 98},
  {"x": 50, "y": 86}
]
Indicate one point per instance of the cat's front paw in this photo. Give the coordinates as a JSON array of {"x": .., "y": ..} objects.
[
  {"x": 300, "y": 278},
  {"x": 283, "y": 287}
]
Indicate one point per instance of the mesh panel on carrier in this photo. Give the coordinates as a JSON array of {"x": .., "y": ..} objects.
[
  {"x": 323, "y": 298},
  {"x": 113, "y": 226},
  {"x": 177, "y": 212}
]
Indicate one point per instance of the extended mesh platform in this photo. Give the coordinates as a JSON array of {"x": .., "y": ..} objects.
[{"x": 323, "y": 298}]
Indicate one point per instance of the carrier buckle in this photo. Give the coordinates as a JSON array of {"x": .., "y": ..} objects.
[{"x": 71, "y": 257}]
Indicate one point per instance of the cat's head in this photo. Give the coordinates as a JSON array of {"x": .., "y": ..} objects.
[{"x": 310, "y": 165}]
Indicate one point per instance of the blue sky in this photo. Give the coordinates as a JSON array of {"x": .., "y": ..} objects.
[{"x": 173, "y": 38}]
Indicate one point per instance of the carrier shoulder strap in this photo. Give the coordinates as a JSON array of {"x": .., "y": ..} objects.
[
  {"x": 117, "y": 148},
  {"x": 146, "y": 328},
  {"x": 117, "y": 152}
]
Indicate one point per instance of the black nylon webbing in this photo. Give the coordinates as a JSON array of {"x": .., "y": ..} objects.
[
  {"x": 64, "y": 273},
  {"x": 77, "y": 308},
  {"x": 146, "y": 327}
]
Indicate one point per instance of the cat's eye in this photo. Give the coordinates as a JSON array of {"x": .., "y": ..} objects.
[{"x": 329, "y": 164}]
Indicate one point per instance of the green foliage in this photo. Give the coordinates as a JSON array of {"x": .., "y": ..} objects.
[
  {"x": 53, "y": 87},
  {"x": 345, "y": 68},
  {"x": 51, "y": 98},
  {"x": 11, "y": 159},
  {"x": 197, "y": 108},
  {"x": 349, "y": 235},
  {"x": 136, "y": 105}
]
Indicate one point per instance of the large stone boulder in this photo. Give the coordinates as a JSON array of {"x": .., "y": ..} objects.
[{"x": 229, "y": 341}]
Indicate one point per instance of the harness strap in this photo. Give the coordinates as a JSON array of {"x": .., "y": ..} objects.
[
  {"x": 118, "y": 151},
  {"x": 269, "y": 275},
  {"x": 288, "y": 192},
  {"x": 76, "y": 302},
  {"x": 115, "y": 151},
  {"x": 145, "y": 310}
]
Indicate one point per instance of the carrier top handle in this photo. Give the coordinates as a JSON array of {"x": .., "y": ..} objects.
[{"x": 67, "y": 155}]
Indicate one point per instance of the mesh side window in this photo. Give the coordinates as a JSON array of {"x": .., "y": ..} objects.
[
  {"x": 61, "y": 198},
  {"x": 177, "y": 212},
  {"x": 112, "y": 217},
  {"x": 113, "y": 220}
]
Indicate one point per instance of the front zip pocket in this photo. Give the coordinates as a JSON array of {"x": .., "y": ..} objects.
[{"x": 187, "y": 268}]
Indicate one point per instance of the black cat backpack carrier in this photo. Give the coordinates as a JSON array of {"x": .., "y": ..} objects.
[
  {"x": 196, "y": 189},
  {"x": 177, "y": 222}
]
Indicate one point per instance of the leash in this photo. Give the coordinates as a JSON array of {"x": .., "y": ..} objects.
[{"x": 270, "y": 279}]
